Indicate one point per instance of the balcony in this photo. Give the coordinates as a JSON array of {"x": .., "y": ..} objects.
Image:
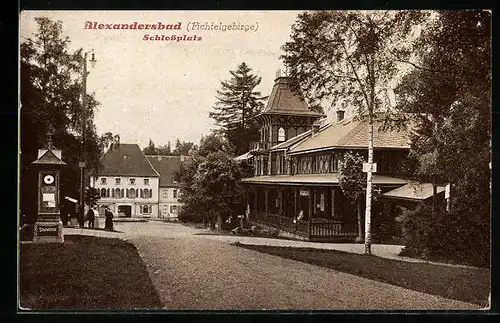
[{"x": 261, "y": 145}]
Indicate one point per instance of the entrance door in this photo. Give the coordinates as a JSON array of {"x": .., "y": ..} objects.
[
  {"x": 304, "y": 203},
  {"x": 125, "y": 211}
]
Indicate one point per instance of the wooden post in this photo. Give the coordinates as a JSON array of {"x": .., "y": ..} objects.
[
  {"x": 266, "y": 191},
  {"x": 295, "y": 206},
  {"x": 255, "y": 200},
  {"x": 310, "y": 212}
]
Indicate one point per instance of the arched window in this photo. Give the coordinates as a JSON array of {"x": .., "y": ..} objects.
[
  {"x": 122, "y": 193},
  {"x": 107, "y": 192},
  {"x": 103, "y": 192},
  {"x": 117, "y": 193},
  {"x": 281, "y": 134}
]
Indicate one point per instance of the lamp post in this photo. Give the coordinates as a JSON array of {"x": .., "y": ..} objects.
[{"x": 81, "y": 164}]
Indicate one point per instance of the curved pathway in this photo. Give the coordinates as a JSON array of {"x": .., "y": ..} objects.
[{"x": 203, "y": 272}]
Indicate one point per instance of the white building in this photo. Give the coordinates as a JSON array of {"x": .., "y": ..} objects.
[
  {"x": 169, "y": 190},
  {"x": 127, "y": 182}
]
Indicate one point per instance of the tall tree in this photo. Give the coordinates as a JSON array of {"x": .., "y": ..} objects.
[
  {"x": 182, "y": 148},
  {"x": 237, "y": 102},
  {"x": 150, "y": 149},
  {"x": 351, "y": 56},
  {"x": 51, "y": 86},
  {"x": 352, "y": 181},
  {"x": 210, "y": 184},
  {"x": 448, "y": 96}
]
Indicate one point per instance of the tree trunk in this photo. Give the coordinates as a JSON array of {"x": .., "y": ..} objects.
[
  {"x": 368, "y": 209},
  {"x": 360, "y": 237},
  {"x": 219, "y": 221}
]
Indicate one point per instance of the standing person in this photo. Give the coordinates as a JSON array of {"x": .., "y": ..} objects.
[
  {"x": 91, "y": 217},
  {"x": 96, "y": 215},
  {"x": 109, "y": 219}
]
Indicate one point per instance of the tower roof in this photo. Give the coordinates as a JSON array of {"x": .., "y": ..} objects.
[{"x": 286, "y": 100}]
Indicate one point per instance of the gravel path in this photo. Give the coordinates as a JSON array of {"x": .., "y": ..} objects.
[{"x": 203, "y": 272}]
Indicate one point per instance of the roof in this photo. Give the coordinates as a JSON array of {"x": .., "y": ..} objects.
[
  {"x": 166, "y": 166},
  {"x": 126, "y": 160},
  {"x": 284, "y": 100},
  {"x": 316, "y": 179},
  {"x": 244, "y": 156},
  {"x": 292, "y": 141},
  {"x": 413, "y": 191},
  {"x": 353, "y": 133},
  {"x": 49, "y": 157}
]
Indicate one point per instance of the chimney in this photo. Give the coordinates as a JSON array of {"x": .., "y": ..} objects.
[
  {"x": 315, "y": 127},
  {"x": 340, "y": 115}
]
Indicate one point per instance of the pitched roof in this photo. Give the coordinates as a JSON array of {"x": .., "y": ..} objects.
[
  {"x": 353, "y": 133},
  {"x": 284, "y": 100},
  {"x": 292, "y": 141},
  {"x": 166, "y": 166},
  {"x": 49, "y": 157},
  {"x": 126, "y": 160},
  {"x": 413, "y": 191}
]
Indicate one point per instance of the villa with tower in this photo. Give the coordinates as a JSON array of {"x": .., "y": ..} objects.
[{"x": 295, "y": 187}]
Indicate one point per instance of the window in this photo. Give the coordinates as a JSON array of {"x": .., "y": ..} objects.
[
  {"x": 165, "y": 194},
  {"x": 146, "y": 193},
  {"x": 131, "y": 193},
  {"x": 146, "y": 209},
  {"x": 118, "y": 181},
  {"x": 146, "y": 181},
  {"x": 173, "y": 209},
  {"x": 165, "y": 209},
  {"x": 117, "y": 193},
  {"x": 131, "y": 181},
  {"x": 281, "y": 134},
  {"x": 103, "y": 180},
  {"x": 175, "y": 193},
  {"x": 103, "y": 192}
]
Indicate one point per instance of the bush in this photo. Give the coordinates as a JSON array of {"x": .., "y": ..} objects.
[{"x": 448, "y": 236}]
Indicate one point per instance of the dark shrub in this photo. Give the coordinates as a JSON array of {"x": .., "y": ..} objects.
[{"x": 446, "y": 236}]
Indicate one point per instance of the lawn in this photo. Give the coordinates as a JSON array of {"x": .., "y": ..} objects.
[
  {"x": 464, "y": 284},
  {"x": 84, "y": 273}
]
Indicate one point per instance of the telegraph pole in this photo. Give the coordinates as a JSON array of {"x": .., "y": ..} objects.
[{"x": 81, "y": 164}]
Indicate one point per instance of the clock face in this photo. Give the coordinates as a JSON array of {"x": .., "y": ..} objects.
[{"x": 48, "y": 179}]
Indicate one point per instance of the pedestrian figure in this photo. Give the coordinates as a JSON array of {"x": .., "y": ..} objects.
[
  {"x": 109, "y": 219},
  {"x": 91, "y": 217}
]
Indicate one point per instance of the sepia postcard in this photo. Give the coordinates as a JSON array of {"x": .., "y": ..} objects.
[{"x": 254, "y": 160}]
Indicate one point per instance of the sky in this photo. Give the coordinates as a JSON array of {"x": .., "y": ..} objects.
[{"x": 163, "y": 90}]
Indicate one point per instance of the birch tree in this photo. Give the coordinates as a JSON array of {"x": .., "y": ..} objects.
[{"x": 351, "y": 57}]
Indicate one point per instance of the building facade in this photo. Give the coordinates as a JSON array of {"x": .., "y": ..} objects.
[
  {"x": 169, "y": 190},
  {"x": 127, "y": 183},
  {"x": 296, "y": 182}
]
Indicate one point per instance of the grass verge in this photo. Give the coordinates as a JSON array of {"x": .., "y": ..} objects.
[
  {"x": 463, "y": 284},
  {"x": 84, "y": 273}
]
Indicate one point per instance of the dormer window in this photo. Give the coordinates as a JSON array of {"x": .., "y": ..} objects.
[
  {"x": 118, "y": 181},
  {"x": 281, "y": 134},
  {"x": 131, "y": 181},
  {"x": 103, "y": 180},
  {"x": 146, "y": 181}
]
